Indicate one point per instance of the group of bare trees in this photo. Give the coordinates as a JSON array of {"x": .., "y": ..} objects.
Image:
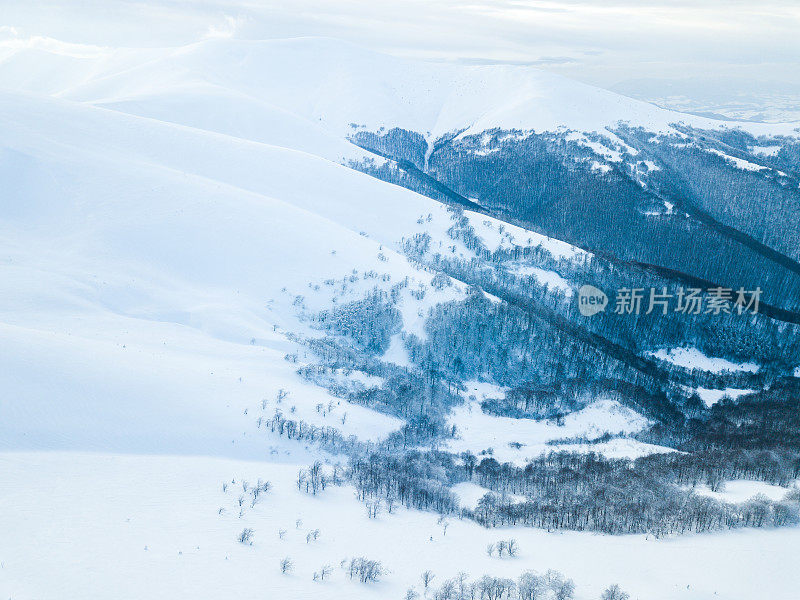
[
  {"x": 370, "y": 322},
  {"x": 589, "y": 492},
  {"x": 562, "y": 490},
  {"x": 503, "y": 548},
  {"x": 365, "y": 570},
  {"x": 296, "y": 429},
  {"x": 314, "y": 480},
  {"x": 415, "y": 479},
  {"x": 552, "y": 585}
]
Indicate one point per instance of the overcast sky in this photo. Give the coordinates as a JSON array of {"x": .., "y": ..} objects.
[{"x": 727, "y": 46}]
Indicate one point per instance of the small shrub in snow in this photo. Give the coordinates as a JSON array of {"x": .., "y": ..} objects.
[
  {"x": 286, "y": 565},
  {"x": 312, "y": 536},
  {"x": 246, "y": 537}
]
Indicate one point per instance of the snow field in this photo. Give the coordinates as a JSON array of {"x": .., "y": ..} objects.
[{"x": 77, "y": 525}]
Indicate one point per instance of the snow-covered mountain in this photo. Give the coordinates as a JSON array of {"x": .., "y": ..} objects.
[
  {"x": 195, "y": 192},
  {"x": 174, "y": 221},
  {"x": 264, "y": 90}
]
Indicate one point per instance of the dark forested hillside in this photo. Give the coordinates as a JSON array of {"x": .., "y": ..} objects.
[{"x": 700, "y": 203}]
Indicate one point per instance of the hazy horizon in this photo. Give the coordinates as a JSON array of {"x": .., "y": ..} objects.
[{"x": 730, "y": 57}]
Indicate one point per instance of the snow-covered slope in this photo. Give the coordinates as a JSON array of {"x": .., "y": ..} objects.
[
  {"x": 147, "y": 265},
  {"x": 152, "y": 527},
  {"x": 519, "y": 440}
]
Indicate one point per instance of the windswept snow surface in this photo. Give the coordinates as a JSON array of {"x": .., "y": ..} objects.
[
  {"x": 469, "y": 494},
  {"x": 742, "y": 490},
  {"x": 517, "y": 440},
  {"x": 692, "y": 358},
  {"x": 551, "y": 279},
  {"x": 498, "y": 235},
  {"x": 739, "y": 163},
  {"x": 148, "y": 267},
  {"x": 711, "y": 396}
]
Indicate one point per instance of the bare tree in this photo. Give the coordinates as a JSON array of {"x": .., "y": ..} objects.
[
  {"x": 447, "y": 591},
  {"x": 445, "y": 524},
  {"x": 312, "y": 535},
  {"x": 464, "y": 587},
  {"x": 286, "y": 565},
  {"x": 427, "y": 577},
  {"x": 614, "y": 592},
  {"x": 530, "y": 586},
  {"x": 563, "y": 589},
  {"x": 246, "y": 537}
]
